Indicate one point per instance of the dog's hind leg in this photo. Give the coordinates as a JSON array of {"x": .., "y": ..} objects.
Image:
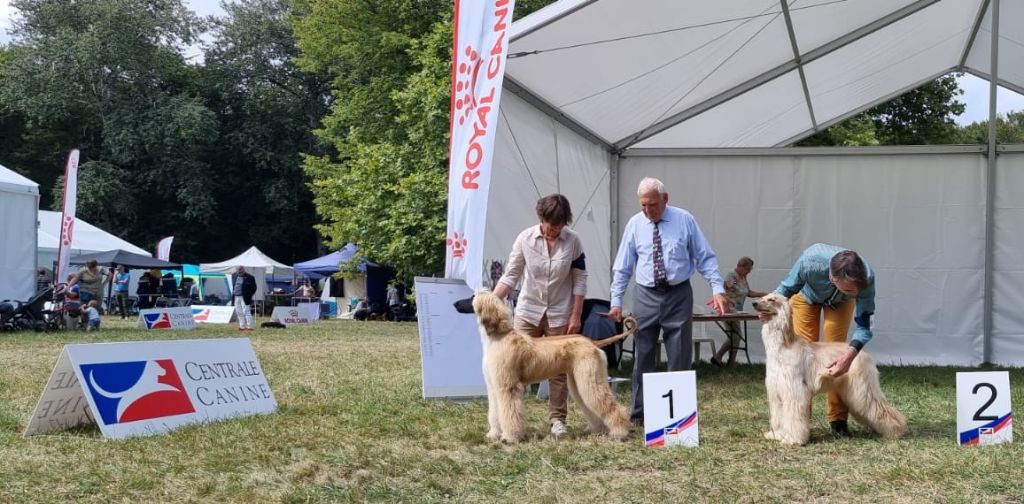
[
  {"x": 867, "y": 402},
  {"x": 603, "y": 412},
  {"x": 595, "y": 425}
]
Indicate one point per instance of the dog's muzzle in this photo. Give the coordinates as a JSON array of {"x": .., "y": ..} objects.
[{"x": 464, "y": 305}]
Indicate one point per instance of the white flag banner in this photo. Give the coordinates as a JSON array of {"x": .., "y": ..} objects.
[
  {"x": 163, "y": 248},
  {"x": 67, "y": 220},
  {"x": 480, "y": 47}
]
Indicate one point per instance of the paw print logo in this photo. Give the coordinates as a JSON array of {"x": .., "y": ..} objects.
[
  {"x": 465, "y": 83},
  {"x": 69, "y": 226},
  {"x": 458, "y": 243}
]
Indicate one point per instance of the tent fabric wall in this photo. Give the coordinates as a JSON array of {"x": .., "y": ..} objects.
[
  {"x": 536, "y": 156},
  {"x": 1008, "y": 261},
  {"x": 19, "y": 203},
  {"x": 918, "y": 219}
]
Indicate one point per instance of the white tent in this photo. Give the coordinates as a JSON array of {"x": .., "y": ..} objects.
[
  {"x": 705, "y": 95},
  {"x": 255, "y": 262},
  {"x": 19, "y": 201},
  {"x": 86, "y": 239}
]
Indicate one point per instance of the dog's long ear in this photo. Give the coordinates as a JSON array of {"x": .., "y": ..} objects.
[
  {"x": 493, "y": 315},
  {"x": 785, "y": 315}
]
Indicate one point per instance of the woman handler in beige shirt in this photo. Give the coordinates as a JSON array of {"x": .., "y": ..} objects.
[{"x": 548, "y": 260}]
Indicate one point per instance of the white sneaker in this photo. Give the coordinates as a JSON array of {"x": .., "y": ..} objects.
[{"x": 558, "y": 428}]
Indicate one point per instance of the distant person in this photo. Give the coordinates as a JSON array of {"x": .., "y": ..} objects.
[
  {"x": 91, "y": 315},
  {"x": 121, "y": 280},
  {"x": 146, "y": 290},
  {"x": 91, "y": 279},
  {"x": 43, "y": 280},
  {"x": 244, "y": 289},
  {"x": 737, "y": 290},
  {"x": 305, "y": 291},
  {"x": 394, "y": 302}
]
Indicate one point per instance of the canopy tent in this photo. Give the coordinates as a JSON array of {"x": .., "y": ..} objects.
[
  {"x": 19, "y": 202},
  {"x": 704, "y": 95},
  {"x": 207, "y": 284},
  {"x": 328, "y": 263},
  {"x": 757, "y": 73},
  {"x": 371, "y": 283},
  {"x": 255, "y": 262},
  {"x": 127, "y": 259},
  {"x": 86, "y": 239}
]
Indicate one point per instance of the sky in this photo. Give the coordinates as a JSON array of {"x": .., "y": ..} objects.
[{"x": 975, "y": 90}]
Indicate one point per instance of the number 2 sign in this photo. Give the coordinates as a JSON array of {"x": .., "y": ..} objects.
[
  {"x": 983, "y": 414},
  {"x": 670, "y": 409}
]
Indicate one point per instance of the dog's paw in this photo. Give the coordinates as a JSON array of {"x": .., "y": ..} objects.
[
  {"x": 509, "y": 440},
  {"x": 493, "y": 435},
  {"x": 464, "y": 305},
  {"x": 770, "y": 435}
]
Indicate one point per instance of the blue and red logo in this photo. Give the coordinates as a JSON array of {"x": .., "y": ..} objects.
[
  {"x": 675, "y": 429},
  {"x": 139, "y": 390},
  {"x": 157, "y": 320},
  {"x": 201, "y": 314},
  {"x": 1000, "y": 425}
]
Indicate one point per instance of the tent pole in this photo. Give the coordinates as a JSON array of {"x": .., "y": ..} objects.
[
  {"x": 613, "y": 198},
  {"x": 990, "y": 186}
]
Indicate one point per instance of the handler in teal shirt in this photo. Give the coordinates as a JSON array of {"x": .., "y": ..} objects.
[{"x": 835, "y": 283}]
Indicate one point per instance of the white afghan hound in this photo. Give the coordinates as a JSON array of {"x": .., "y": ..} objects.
[
  {"x": 796, "y": 372},
  {"x": 512, "y": 361}
]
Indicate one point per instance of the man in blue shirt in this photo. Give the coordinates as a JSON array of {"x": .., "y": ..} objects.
[
  {"x": 833, "y": 283},
  {"x": 664, "y": 246}
]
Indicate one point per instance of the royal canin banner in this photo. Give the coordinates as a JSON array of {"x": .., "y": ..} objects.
[
  {"x": 152, "y": 387},
  {"x": 479, "y": 49},
  {"x": 67, "y": 218},
  {"x": 163, "y": 248}
]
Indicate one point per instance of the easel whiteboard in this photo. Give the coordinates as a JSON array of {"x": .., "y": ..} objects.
[{"x": 450, "y": 348}]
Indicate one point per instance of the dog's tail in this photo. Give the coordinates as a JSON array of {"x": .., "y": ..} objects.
[
  {"x": 628, "y": 323},
  {"x": 869, "y": 406}
]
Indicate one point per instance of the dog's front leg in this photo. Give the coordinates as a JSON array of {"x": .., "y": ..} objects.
[
  {"x": 494, "y": 427},
  {"x": 511, "y": 411},
  {"x": 774, "y": 420},
  {"x": 795, "y": 417}
]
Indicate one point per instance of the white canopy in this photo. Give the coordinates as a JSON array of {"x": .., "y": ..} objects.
[
  {"x": 19, "y": 201},
  {"x": 255, "y": 262},
  {"x": 751, "y": 73},
  {"x": 86, "y": 239},
  {"x": 252, "y": 259}
]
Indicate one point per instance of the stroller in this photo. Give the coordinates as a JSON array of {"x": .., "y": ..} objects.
[{"x": 18, "y": 315}]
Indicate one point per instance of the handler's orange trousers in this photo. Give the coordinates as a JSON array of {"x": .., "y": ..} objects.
[{"x": 807, "y": 324}]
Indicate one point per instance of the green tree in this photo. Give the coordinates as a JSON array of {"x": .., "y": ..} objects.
[
  {"x": 385, "y": 188},
  {"x": 920, "y": 117},
  {"x": 1009, "y": 130}
]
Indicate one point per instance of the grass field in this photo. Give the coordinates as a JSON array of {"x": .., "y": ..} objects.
[{"x": 352, "y": 427}]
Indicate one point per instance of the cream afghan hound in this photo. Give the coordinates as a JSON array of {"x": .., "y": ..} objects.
[
  {"x": 796, "y": 372},
  {"x": 512, "y": 361}
]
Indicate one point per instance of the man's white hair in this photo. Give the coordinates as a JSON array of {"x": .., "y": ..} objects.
[{"x": 650, "y": 184}]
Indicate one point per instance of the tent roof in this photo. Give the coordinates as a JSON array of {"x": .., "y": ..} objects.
[
  {"x": 128, "y": 259},
  {"x": 12, "y": 181},
  {"x": 752, "y": 73},
  {"x": 252, "y": 259},
  {"x": 86, "y": 238},
  {"x": 328, "y": 263}
]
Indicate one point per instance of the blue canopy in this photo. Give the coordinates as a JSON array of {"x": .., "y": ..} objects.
[{"x": 328, "y": 263}]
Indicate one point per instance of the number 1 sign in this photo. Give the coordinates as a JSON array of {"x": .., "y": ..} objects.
[
  {"x": 670, "y": 409},
  {"x": 983, "y": 414}
]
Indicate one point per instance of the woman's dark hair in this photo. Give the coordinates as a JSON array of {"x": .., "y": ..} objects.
[
  {"x": 91, "y": 263},
  {"x": 848, "y": 266},
  {"x": 554, "y": 209}
]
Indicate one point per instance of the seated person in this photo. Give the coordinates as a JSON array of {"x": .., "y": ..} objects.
[
  {"x": 147, "y": 290},
  {"x": 736, "y": 292},
  {"x": 92, "y": 315},
  {"x": 362, "y": 311}
]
